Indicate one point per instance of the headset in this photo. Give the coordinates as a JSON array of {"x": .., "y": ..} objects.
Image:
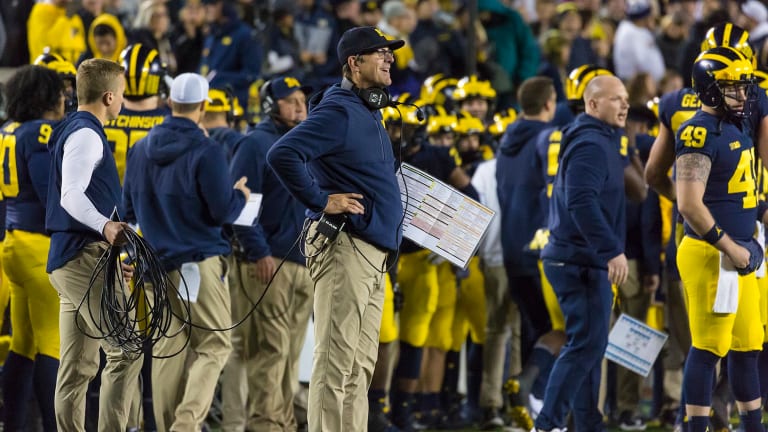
[
  {"x": 267, "y": 99},
  {"x": 375, "y": 98}
]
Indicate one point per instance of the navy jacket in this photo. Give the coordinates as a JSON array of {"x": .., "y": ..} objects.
[
  {"x": 282, "y": 216},
  {"x": 342, "y": 147},
  {"x": 522, "y": 195},
  {"x": 179, "y": 191},
  {"x": 68, "y": 236},
  {"x": 587, "y": 218},
  {"x": 227, "y": 138},
  {"x": 231, "y": 50}
]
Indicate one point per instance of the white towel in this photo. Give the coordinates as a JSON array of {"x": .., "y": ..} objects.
[
  {"x": 761, "y": 239},
  {"x": 190, "y": 273},
  {"x": 727, "y": 298}
]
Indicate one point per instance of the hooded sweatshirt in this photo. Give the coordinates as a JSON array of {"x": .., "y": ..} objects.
[
  {"x": 588, "y": 205},
  {"x": 177, "y": 187},
  {"x": 342, "y": 147},
  {"x": 520, "y": 189},
  {"x": 120, "y": 39},
  {"x": 282, "y": 219}
]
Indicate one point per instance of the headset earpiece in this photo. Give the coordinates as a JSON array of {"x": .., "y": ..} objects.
[
  {"x": 374, "y": 98},
  {"x": 267, "y": 99}
]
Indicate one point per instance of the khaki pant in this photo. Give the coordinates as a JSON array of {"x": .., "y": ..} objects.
[
  {"x": 503, "y": 322},
  {"x": 184, "y": 384},
  {"x": 279, "y": 327},
  {"x": 234, "y": 377},
  {"x": 349, "y": 296},
  {"x": 80, "y": 354},
  {"x": 633, "y": 301}
]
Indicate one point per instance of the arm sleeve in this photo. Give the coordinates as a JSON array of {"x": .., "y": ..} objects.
[
  {"x": 311, "y": 139},
  {"x": 83, "y": 151},
  {"x": 38, "y": 165},
  {"x": 249, "y": 162},
  {"x": 224, "y": 203},
  {"x": 584, "y": 179}
]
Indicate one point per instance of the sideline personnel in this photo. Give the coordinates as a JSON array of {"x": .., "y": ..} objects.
[
  {"x": 178, "y": 187},
  {"x": 82, "y": 190},
  {"x": 339, "y": 162},
  {"x": 585, "y": 253}
]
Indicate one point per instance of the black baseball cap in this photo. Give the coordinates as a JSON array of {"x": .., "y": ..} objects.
[{"x": 364, "y": 40}]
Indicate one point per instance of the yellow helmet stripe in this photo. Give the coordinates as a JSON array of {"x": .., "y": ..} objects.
[
  {"x": 727, "y": 34},
  {"x": 132, "y": 84},
  {"x": 144, "y": 77}
]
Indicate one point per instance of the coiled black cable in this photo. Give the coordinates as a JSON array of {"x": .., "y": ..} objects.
[{"x": 128, "y": 316}]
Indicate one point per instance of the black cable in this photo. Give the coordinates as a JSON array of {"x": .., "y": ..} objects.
[{"x": 121, "y": 320}]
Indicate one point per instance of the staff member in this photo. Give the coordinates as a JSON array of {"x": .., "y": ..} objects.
[
  {"x": 339, "y": 164},
  {"x": 84, "y": 188},
  {"x": 585, "y": 253},
  {"x": 275, "y": 334},
  {"x": 178, "y": 190}
]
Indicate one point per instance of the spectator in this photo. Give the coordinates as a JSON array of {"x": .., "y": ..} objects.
[
  {"x": 438, "y": 48},
  {"x": 314, "y": 30},
  {"x": 674, "y": 29},
  {"x": 187, "y": 37},
  {"x": 546, "y": 10},
  {"x": 151, "y": 29},
  {"x": 555, "y": 50},
  {"x": 570, "y": 24},
  {"x": 672, "y": 81},
  {"x": 370, "y": 12},
  {"x": 641, "y": 89},
  {"x": 692, "y": 46},
  {"x": 231, "y": 54},
  {"x": 634, "y": 46},
  {"x": 283, "y": 50},
  {"x": 49, "y": 26},
  {"x": 106, "y": 39},
  {"x": 754, "y": 19},
  {"x": 514, "y": 46},
  {"x": 89, "y": 10},
  {"x": 399, "y": 22},
  {"x": 14, "y": 17}
]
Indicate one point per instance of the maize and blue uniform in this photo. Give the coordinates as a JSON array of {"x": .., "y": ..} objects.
[
  {"x": 34, "y": 302},
  {"x": 587, "y": 228},
  {"x": 424, "y": 319},
  {"x": 547, "y": 151},
  {"x": 731, "y": 198},
  {"x": 128, "y": 128},
  {"x": 34, "y": 349}
]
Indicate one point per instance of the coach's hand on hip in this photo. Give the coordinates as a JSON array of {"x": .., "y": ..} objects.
[{"x": 344, "y": 203}]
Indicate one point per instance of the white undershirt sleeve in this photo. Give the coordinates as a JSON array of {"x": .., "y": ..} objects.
[{"x": 83, "y": 151}]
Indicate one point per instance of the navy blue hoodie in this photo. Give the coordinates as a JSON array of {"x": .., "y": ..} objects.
[
  {"x": 178, "y": 189},
  {"x": 522, "y": 193},
  {"x": 587, "y": 218},
  {"x": 68, "y": 236},
  {"x": 282, "y": 217},
  {"x": 343, "y": 147}
]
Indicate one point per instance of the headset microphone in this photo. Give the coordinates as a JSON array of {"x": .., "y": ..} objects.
[{"x": 419, "y": 113}]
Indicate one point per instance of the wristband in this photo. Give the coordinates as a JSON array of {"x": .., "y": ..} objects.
[
  {"x": 713, "y": 235},
  {"x": 762, "y": 207}
]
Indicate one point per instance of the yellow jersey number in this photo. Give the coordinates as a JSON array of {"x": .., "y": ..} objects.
[
  {"x": 9, "y": 186},
  {"x": 693, "y": 136},
  {"x": 743, "y": 179},
  {"x": 122, "y": 142}
]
